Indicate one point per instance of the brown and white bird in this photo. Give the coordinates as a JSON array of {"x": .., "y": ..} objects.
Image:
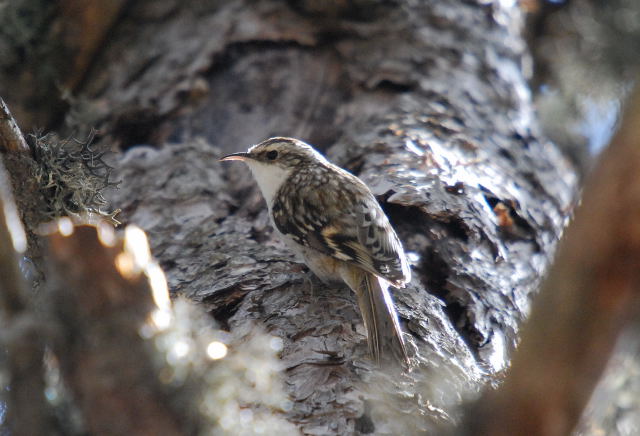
[{"x": 332, "y": 220}]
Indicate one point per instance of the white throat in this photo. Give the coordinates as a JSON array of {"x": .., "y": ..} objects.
[{"x": 269, "y": 178}]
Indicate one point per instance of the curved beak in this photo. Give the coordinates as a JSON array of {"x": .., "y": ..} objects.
[{"x": 236, "y": 156}]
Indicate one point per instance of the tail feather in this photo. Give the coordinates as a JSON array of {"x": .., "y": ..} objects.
[{"x": 380, "y": 319}]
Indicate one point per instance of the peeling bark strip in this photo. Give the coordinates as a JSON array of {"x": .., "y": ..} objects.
[{"x": 11, "y": 138}]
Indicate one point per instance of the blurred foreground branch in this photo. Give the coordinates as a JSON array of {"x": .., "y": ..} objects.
[
  {"x": 589, "y": 297},
  {"x": 101, "y": 302},
  {"x": 21, "y": 331},
  {"x": 125, "y": 351}
]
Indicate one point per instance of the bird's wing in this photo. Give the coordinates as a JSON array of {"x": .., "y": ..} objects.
[
  {"x": 380, "y": 241},
  {"x": 344, "y": 221}
]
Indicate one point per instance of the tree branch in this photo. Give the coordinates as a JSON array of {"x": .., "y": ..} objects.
[
  {"x": 101, "y": 301},
  {"x": 22, "y": 332}
]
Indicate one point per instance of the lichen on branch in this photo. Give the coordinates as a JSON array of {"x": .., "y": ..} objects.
[{"x": 72, "y": 176}]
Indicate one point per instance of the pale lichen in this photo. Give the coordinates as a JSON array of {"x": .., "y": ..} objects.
[{"x": 72, "y": 177}]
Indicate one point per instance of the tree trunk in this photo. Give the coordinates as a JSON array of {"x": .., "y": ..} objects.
[{"x": 426, "y": 101}]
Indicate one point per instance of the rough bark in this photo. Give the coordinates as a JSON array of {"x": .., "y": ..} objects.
[
  {"x": 425, "y": 101},
  {"x": 47, "y": 47},
  {"x": 589, "y": 298}
]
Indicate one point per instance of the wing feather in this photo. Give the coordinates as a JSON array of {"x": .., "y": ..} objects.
[{"x": 346, "y": 223}]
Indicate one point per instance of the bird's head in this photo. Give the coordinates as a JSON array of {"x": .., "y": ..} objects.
[
  {"x": 281, "y": 152},
  {"x": 273, "y": 160}
]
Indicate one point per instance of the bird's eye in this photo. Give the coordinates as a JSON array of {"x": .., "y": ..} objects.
[{"x": 272, "y": 155}]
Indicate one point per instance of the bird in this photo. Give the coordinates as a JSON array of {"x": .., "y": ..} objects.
[{"x": 330, "y": 218}]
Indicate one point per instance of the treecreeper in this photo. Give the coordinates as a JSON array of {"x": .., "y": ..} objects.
[{"x": 331, "y": 219}]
